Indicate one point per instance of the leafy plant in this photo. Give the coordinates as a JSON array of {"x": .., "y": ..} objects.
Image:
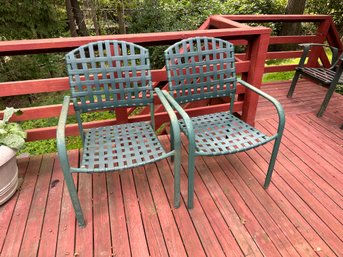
[{"x": 11, "y": 134}]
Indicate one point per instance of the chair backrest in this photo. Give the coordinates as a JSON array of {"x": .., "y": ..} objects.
[
  {"x": 200, "y": 68},
  {"x": 109, "y": 74}
]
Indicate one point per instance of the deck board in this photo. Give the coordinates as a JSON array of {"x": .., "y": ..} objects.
[
  {"x": 34, "y": 223},
  {"x": 131, "y": 213},
  {"x": 7, "y": 210},
  {"x": 52, "y": 214},
  {"x": 153, "y": 231},
  {"x": 66, "y": 226},
  {"x": 17, "y": 226}
]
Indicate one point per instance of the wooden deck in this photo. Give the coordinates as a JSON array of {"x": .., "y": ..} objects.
[{"x": 130, "y": 213}]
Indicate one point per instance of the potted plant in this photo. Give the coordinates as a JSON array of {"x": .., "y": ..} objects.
[{"x": 12, "y": 138}]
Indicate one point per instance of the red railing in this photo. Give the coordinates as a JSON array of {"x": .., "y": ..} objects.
[
  {"x": 249, "y": 64},
  {"x": 326, "y": 33}
]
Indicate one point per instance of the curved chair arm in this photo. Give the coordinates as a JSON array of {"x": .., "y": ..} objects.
[
  {"x": 276, "y": 103},
  {"x": 60, "y": 135},
  {"x": 307, "y": 48},
  {"x": 188, "y": 123},
  {"x": 173, "y": 118}
]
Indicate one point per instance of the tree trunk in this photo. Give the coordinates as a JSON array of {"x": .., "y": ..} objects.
[
  {"x": 121, "y": 18},
  {"x": 292, "y": 28},
  {"x": 79, "y": 18},
  {"x": 71, "y": 20}
]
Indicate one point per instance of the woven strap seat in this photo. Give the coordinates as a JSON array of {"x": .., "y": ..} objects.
[
  {"x": 324, "y": 75},
  {"x": 222, "y": 133},
  {"x": 120, "y": 147}
]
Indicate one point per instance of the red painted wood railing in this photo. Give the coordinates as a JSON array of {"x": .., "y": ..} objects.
[
  {"x": 326, "y": 33},
  {"x": 250, "y": 64}
]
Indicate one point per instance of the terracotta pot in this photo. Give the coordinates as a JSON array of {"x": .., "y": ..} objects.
[{"x": 8, "y": 173}]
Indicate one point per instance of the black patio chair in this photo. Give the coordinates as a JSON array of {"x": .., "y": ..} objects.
[{"x": 329, "y": 77}]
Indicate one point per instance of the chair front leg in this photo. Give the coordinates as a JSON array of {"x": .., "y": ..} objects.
[
  {"x": 327, "y": 98},
  {"x": 191, "y": 167},
  {"x": 294, "y": 83},
  {"x": 272, "y": 161},
  {"x": 74, "y": 197},
  {"x": 177, "y": 168},
  {"x": 172, "y": 146}
]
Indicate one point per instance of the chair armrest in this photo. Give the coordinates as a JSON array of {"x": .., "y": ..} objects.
[
  {"x": 187, "y": 121},
  {"x": 173, "y": 118},
  {"x": 276, "y": 103},
  {"x": 307, "y": 48},
  {"x": 60, "y": 135}
]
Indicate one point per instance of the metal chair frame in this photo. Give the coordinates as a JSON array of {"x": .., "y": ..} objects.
[
  {"x": 203, "y": 68},
  {"x": 107, "y": 75},
  {"x": 329, "y": 77}
]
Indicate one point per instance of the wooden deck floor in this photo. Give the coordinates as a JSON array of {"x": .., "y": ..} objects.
[{"x": 130, "y": 213}]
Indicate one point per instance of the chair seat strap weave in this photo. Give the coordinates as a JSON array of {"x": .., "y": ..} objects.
[
  {"x": 223, "y": 133},
  {"x": 322, "y": 74},
  {"x": 120, "y": 147}
]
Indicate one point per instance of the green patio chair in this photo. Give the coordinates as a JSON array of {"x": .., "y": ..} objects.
[
  {"x": 329, "y": 77},
  {"x": 204, "y": 68},
  {"x": 106, "y": 75}
]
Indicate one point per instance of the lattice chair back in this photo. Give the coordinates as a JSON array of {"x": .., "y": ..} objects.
[
  {"x": 200, "y": 68},
  {"x": 109, "y": 74}
]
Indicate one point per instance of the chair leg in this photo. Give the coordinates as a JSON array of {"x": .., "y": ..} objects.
[
  {"x": 294, "y": 83},
  {"x": 177, "y": 167},
  {"x": 172, "y": 146},
  {"x": 326, "y": 99},
  {"x": 272, "y": 162},
  {"x": 191, "y": 160},
  {"x": 74, "y": 198}
]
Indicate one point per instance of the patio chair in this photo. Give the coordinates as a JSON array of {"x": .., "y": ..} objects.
[
  {"x": 328, "y": 77},
  {"x": 203, "y": 68},
  {"x": 106, "y": 75}
]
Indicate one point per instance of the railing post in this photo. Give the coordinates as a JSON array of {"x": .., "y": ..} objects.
[
  {"x": 317, "y": 52},
  {"x": 258, "y": 48}
]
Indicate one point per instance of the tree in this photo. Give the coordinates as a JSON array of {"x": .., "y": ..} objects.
[
  {"x": 121, "y": 17},
  {"x": 293, "y": 7},
  {"x": 71, "y": 20},
  {"x": 75, "y": 15}
]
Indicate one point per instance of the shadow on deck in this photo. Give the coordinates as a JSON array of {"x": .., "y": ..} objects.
[{"x": 130, "y": 213}]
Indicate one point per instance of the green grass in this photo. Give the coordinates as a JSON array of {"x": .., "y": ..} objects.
[
  {"x": 279, "y": 76},
  {"x": 49, "y": 146}
]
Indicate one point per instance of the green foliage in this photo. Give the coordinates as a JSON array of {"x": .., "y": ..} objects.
[
  {"x": 256, "y": 7},
  {"x": 160, "y": 16},
  {"x": 11, "y": 134},
  {"x": 328, "y": 7},
  {"x": 25, "y": 67},
  {"x": 27, "y": 19},
  {"x": 30, "y": 19}
]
